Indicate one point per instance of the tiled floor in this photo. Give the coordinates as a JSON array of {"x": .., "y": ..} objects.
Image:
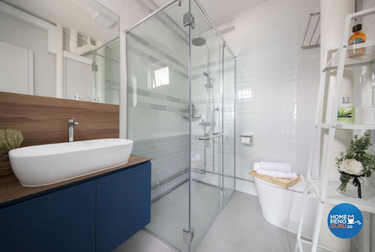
[
  {"x": 170, "y": 214},
  {"x": 240, "y": 227},
  {"x": 144, "y": 242}
]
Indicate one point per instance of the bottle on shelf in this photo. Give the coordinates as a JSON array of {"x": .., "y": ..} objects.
[
  {"x": 357, "y": 37},
  {"x": 345, "y": 113}
]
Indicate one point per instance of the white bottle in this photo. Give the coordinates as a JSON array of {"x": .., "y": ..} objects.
[{"x": 345, "y": 113}]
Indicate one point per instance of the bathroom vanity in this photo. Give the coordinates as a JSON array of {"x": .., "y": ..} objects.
[{"x": 97, "y": 212}]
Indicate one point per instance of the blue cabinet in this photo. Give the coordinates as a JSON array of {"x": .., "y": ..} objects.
[
  {"x": 123, "y": 206},
  {"x": 60, "y": 221},
  {"x": 95, "y": 215}
]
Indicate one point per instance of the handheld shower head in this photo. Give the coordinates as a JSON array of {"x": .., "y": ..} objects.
[{"x": 206, "y": 74}]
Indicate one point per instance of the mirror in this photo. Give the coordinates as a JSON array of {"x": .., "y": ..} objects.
[{"x": 66, "y": 49}]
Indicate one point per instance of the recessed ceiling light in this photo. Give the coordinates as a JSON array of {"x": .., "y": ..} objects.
[{"x": 104, "y": 20}]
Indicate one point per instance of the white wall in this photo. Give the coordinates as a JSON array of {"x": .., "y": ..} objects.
[
  {"x": 277, "y": 84},
  {"x": 78, "y": 79},
  {"x": 27, "y": 31},
  {"x": 22, "y": 34}
]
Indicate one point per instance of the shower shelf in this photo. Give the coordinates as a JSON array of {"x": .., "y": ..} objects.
[
  {"x": 334, "y": 197},
  {"x": 353, "y": 126},
  {"x": 187, "y": 115},
  {"x": 367, "y": 59}
]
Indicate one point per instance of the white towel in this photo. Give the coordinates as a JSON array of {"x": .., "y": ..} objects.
[
  {"x": 256, "y": 166},
  {"x": 281, "y": 167},
  {"x": 277, "y": 174}
]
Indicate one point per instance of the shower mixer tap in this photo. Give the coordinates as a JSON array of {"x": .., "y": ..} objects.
[
  {"x": 214, "y": 119},
  {"x": 204, "y": 123}
]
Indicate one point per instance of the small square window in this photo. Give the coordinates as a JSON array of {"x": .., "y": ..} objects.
[
  {"x": 158, "y": 75},
  {"x": 161, "y": 77}
]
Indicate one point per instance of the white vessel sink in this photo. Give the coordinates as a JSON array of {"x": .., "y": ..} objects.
[{"x": 51, "y": 163}]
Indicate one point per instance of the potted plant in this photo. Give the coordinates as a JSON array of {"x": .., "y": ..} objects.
[
  {"x": 9, "y": 139},
  {"x": 355, "y": 165}
]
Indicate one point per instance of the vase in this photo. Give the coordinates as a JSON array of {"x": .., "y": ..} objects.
[{"x": 354, "y": 188}]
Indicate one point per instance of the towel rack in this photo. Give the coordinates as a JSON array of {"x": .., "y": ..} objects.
[{"x": 316, "y": 17}]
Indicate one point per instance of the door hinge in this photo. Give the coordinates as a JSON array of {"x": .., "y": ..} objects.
[
  {"x": 94, "y": 67},
  {"x": 189, "y": 19},
  {"x": 187, "y": 236}
]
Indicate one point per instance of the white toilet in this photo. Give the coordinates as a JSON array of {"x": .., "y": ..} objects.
[{"x": 282, "y": 207}]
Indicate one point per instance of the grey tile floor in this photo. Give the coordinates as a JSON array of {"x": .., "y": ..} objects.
[
  {"x": 240, "y": 227},
  {"x": 170, "y": 214}
]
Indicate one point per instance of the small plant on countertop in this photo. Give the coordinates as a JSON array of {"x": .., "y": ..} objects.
[
  {"x": 356, "y": 162},
  {"x": 9, "y": 139}
]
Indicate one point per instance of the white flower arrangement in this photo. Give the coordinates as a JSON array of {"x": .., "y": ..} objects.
[
  {"x": 355, "y": 163},
  {"x": 351, "y": 166}
]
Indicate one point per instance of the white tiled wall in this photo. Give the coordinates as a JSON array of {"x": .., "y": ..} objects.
[{"x": 277, "y": 83}]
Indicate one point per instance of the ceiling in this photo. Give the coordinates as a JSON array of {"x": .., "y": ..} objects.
[
  {"x": 77, "y": 14},
  {"x": 219, "y": 10}
]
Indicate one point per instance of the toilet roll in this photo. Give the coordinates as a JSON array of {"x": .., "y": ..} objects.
[{"x": 246, "y": 140}]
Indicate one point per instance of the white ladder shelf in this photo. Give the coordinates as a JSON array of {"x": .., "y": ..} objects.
[{"x": 323, "y": 188}]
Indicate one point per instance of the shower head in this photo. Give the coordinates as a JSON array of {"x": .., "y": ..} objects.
[
  {"x": 206, "y": 74},
  {"x": 198, "y": 41}
]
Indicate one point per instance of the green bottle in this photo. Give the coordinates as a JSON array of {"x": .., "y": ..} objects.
[{"x": 345, "y": 112}]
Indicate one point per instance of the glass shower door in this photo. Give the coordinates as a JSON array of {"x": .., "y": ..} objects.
[
  {"x": 158, "y": 102},
  {"x": 179, "y": 114},
  {"x": 229, "y": 77},
  {"x": 206, "y": 126}
]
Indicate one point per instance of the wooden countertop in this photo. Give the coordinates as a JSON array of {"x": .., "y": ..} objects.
[{"x": 12, "y": 190}]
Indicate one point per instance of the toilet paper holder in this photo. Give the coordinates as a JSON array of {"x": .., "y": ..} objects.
[
  {"x": 251, "y": 136},
  {"x": 246, "y": 139}
]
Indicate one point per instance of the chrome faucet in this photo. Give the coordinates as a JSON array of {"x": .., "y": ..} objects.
[{"x": 71, "y": 124}]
